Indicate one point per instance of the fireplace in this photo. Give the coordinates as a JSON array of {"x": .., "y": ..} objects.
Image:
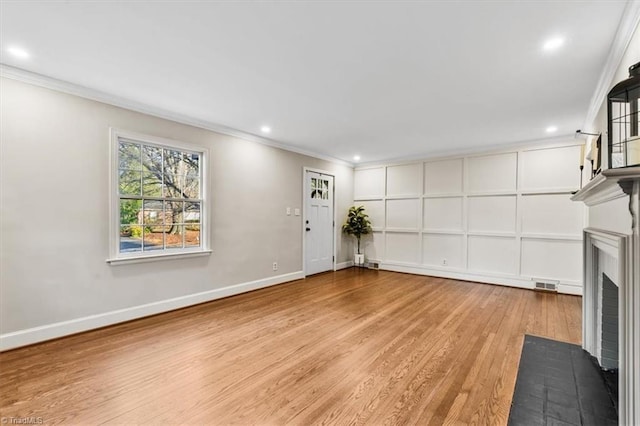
[
  {"x": 608, "y": 324},
  {"x": 605, "y": 261},
  {"x": 611, "y": 293}
]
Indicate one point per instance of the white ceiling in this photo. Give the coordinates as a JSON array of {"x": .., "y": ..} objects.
[{"x": 380, "y": 79}]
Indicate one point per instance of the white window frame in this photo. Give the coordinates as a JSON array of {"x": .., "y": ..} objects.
[{"x": 115, "y": 257}]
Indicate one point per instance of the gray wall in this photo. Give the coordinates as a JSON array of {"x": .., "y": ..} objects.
[{"x": 54, "y": 197}]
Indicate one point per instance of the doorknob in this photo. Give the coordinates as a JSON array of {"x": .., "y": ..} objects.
[{"x": 308, "y": 229}]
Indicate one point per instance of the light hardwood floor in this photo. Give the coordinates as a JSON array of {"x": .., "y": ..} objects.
[{"x": 351, "y": 347}]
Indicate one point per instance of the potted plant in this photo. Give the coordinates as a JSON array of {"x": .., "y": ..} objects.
[{"x": 357, "y": 224}]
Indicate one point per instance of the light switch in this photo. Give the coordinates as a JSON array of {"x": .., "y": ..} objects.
[
  {"x": 288, "y": 211},
  {"x": 297, "y": 212}
]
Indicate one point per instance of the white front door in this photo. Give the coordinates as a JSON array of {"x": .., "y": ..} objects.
[{"x": 318, "y": 222}]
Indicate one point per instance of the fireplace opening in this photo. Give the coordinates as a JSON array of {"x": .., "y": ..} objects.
[
  {"x": 609, "y": 354},
  {"x": 610, "y": 272},
  {"x": 609, "y": 339}
]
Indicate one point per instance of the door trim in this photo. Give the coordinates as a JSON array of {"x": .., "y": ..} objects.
[{"x": 304, "y": 216}]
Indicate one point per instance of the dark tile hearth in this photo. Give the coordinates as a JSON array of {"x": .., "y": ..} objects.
[{"x": 560, "y": 384}]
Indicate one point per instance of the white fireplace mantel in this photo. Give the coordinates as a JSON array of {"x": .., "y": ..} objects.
[
  {"x": 608, "y": 185},
  {"x": 625, "y": 248}
]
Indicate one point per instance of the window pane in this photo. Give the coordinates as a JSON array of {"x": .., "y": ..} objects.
[
  {"x": 129, "y": 156},
  {"x": 173, "y": 186},
  {"x": 152, "y": 238},
  {"x": 192, "y": 164},
  {"x": 192, "y": 235},
  {"x": 150, "y": 179},
  {"x": 168, "y": 212},
  {"x": 174, "y": 236},
  {"x": 173, "y": 211},
  {"x": 191, "y": 187},
  {"x": 152, "y": 159},
  {"x": 128, "y": 242},
  {"x": 129, "y": 182},
  {"x": 151, "y": 185},
  {"x": 153, "y": 213},
  {"x": 191, "y": 212},
  {"x": 173, "y": 163},
  {"x": 130, "y": 211}
]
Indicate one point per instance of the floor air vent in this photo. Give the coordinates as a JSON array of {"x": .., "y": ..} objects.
[
  {"x": 546, "y": 286},
  {"x": 373, "y": 265}
]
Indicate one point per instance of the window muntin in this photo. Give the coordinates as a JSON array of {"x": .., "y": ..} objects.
[
  {"x": 160, "y": 199},
  {"x": 319, "y": 189}
]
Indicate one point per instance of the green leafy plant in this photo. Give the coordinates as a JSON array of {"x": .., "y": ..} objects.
[
  {"x": 357, "y": 223},
  {"x": 136, "y": 231}
]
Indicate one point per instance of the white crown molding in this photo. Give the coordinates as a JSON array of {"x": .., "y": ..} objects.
[
  {"x": 628, "y": 24},
  {"x": 99, "y": 96},
  {"x": 552, "y": 142}
]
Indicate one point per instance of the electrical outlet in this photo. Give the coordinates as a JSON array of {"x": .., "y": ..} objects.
[
  {"x": 444, "y": 262},
  {"x": 288, "y": 211},
  {"x": 275, "y": 266},
  {"x": 296, "y": 212}
]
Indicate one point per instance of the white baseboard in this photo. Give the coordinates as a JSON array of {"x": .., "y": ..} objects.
[
  {"x": 482, "y": 278},
  {"x": 344, "y": 265},
  {"x": 570, "y": 289},
  {"x": 52, "y": 331}
]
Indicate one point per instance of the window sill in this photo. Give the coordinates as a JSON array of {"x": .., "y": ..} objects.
[{"x": 156, "y": 257}]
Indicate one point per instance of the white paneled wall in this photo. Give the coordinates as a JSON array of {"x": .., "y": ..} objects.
[
  {"x": 403, "y": 247},
  {"x": 442, "y": 214},
  {"x": 369, "y": 183},
  {"x": 403, "y": 214},
  {"x": 443, "y": 246},
  {"x": 540, "y": 259},
  {"x": 501, "y": 217},
  {"x": 492, "y": 173},
  {"x": 492, "y": 214},
  {"x": 375, "y": 210},
  {"x": 373, "y": 245},
  {"x": 550, "y": 214},
  {"x": 545, "y": 169},
  {"x": 404, "y": 180},
  {"x": 495, "y": 255},
  {"x": 443, "y": 177}
]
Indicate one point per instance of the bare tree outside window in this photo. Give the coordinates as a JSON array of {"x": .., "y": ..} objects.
[{"x": 160, "y": 197}]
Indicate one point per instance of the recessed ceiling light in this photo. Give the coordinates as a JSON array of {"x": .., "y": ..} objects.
[
  {"x": 553, "y": 43},
  {"x": 18, "y": 52},
  {"x": 356, "y": 158},
  {"x": 552, "y": 129},
  {"x": 265, "y": 129}
]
